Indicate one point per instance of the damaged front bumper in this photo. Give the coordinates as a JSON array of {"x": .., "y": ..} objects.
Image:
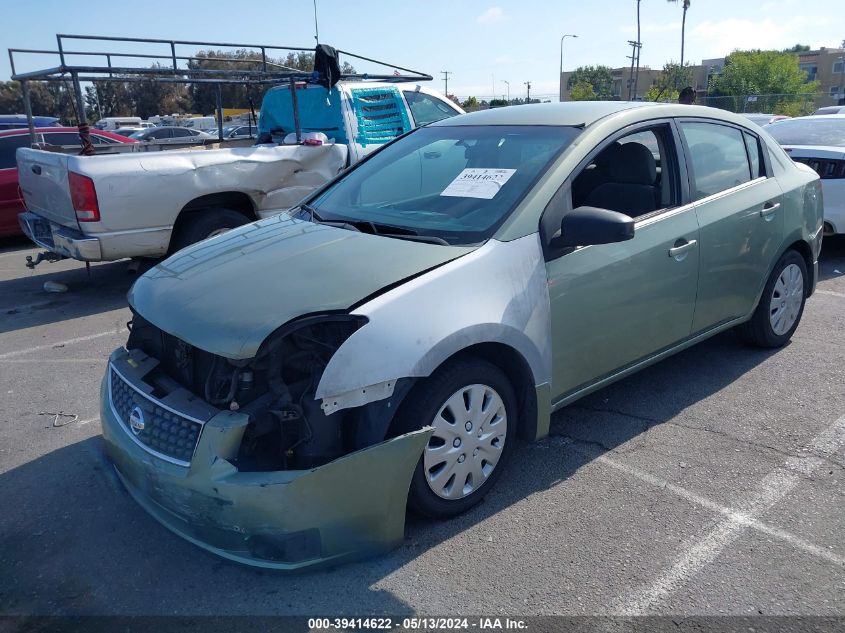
[{"x": 350, "y": 508}]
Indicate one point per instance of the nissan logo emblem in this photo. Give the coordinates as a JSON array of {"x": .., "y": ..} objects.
[{"x": 136, "y": 420}]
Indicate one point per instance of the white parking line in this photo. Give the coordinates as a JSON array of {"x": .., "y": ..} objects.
[
  {"x": 774, "y": 488},
  {"x": 70, "y": 341},
  {"x": 732, "y": 513}
]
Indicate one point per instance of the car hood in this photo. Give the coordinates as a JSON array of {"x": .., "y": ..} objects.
[{"x": 225, "y": 295}]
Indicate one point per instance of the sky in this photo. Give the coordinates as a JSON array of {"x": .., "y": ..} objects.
[{"x": 490, "y": 47}]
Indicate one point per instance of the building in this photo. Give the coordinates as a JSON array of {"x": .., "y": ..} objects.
[{"x": 826, "y": 65}]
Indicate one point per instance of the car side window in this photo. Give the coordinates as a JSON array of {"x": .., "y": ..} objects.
[
  {"x": 160, "y": 133},
  {"x": 752, "y": 143},
  {"x": 8, "y": 147},
  {"x": 426, "y": 108},
  {"x": 637, "y": 174},
  {"x": 718, "y": 155}
]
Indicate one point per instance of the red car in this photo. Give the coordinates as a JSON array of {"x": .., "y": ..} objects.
[{"x": 10, "y": 140}]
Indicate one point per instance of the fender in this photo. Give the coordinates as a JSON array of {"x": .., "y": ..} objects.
[{"x": 498, "y": 293}]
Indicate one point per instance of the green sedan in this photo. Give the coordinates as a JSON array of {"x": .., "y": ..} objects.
[{"x": 290, "y": 386}]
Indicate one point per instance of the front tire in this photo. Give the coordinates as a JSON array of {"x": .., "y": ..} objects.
[
  {"x": 472, "y": 407},
  {"x": 781, "y": 304}
]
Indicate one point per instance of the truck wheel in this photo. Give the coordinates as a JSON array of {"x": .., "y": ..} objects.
[
  {"x": 204, "y": 223},
  {"x": 472, "y": 407},
  {"x": 781, "y": 304}
]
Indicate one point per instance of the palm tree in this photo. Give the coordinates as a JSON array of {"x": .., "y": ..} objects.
[{"x": 683, "y": 27}]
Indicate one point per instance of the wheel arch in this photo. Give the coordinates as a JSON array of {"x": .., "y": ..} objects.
[
  {"x": 234, "y": 200},
  {"x": 515, "y": 366},
  {"x": 519, "y": 374},
  {"x": 803, "y": 248}
]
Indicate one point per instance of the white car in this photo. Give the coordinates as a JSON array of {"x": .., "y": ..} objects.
[{"x": 819, "y": 141}]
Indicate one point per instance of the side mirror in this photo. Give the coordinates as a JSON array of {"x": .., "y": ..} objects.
[{"x": 586, "y": 226}]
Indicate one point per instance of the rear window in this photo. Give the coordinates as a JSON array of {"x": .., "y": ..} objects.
[{"x": 809, "y": 132}]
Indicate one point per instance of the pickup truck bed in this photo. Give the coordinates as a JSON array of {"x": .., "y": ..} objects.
[{"x": 136, "y": 193}]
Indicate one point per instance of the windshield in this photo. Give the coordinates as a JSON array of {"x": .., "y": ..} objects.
[
  {"x": 809, "y": 132},
  {"x": 455, "y": 184}
]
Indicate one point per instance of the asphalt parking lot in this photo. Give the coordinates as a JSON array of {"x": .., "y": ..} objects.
[{"x": 712, "y": 483}]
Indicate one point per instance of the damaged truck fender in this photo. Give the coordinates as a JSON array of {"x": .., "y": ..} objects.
[{"x": 496, "y": 294}]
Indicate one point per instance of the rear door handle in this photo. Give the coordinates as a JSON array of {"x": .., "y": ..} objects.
[
  {"x": 769, "y": 208},
  {"x": 680, "y": 249},
  {"x": 36, "y": 169}
]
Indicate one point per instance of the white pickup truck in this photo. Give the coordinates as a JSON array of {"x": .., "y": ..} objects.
[{"x": 151, "y": 203}]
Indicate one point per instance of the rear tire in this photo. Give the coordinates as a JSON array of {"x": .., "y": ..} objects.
[
  {"x": 472, "y": 406},
  {"x": 204, "y": 223},
  {"x": 781, "y": 304}
]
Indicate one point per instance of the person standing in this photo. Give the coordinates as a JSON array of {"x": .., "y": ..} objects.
[{"x": 687, "y": 96}]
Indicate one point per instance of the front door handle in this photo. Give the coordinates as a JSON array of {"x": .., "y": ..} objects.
[
  {"x": 769, "y": 208},
  {"x": 680, "y": 249}
]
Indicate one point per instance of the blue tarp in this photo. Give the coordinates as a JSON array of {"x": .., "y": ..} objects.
[{"x": 319, "y": 111}]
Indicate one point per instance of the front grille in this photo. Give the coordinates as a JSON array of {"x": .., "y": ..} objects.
[
  {"x": 826, "y": 168},
  {"x": 164, "y": 432}
]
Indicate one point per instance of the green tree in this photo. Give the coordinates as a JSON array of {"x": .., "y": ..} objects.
[
  {"x": 798, "y": 48},
  {"x": 670, "y": 82},
  {"x": 583, "y": 91},
  {"x": 471, "y": 102},
  {"x": 762, "y": 73},
  {"x": 599, "y": 78}
]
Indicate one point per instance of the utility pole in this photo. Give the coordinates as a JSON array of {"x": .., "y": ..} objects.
[
  {"x": 446, "y": 74},
  {"x": 528, "y": 92},
  {"x": 639, "y": 47},
  {"x": 635, "y": 57}
]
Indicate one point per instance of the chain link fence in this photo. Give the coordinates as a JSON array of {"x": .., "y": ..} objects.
[{"x": 790, "y": 105}]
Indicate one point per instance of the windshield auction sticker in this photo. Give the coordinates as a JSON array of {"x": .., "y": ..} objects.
[{"x": 478, "y": 182}]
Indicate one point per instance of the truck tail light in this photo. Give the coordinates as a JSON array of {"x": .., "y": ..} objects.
[{"x": 83, "y": 195}]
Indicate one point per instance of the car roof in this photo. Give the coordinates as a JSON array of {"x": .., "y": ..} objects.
[
  {"x": 820, "y": 117},
  {"x": 583, "y": 113}
]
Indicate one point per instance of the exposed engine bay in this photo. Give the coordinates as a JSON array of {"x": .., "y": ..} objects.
[{"x": 287, "y": 426}]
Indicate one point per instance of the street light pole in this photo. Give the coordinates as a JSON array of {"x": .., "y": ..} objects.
[
  {"x": 508, "y": 84},
  {"x": 561, "y": 61}
]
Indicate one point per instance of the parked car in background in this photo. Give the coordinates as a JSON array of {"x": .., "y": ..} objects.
[
  {"x": 167, "y": 135},
  {"x": 128, "y": 131},
  {"x": 11, "y": 203},
  {"x": 764, "y": 119},
  {"x": 289, "y": 385},
  {"x": 15, "y": 121},
  {"x": 240, "y": 131},
  {"x": 819, "y": 141},
  {"x": 830, "y": 110}
]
